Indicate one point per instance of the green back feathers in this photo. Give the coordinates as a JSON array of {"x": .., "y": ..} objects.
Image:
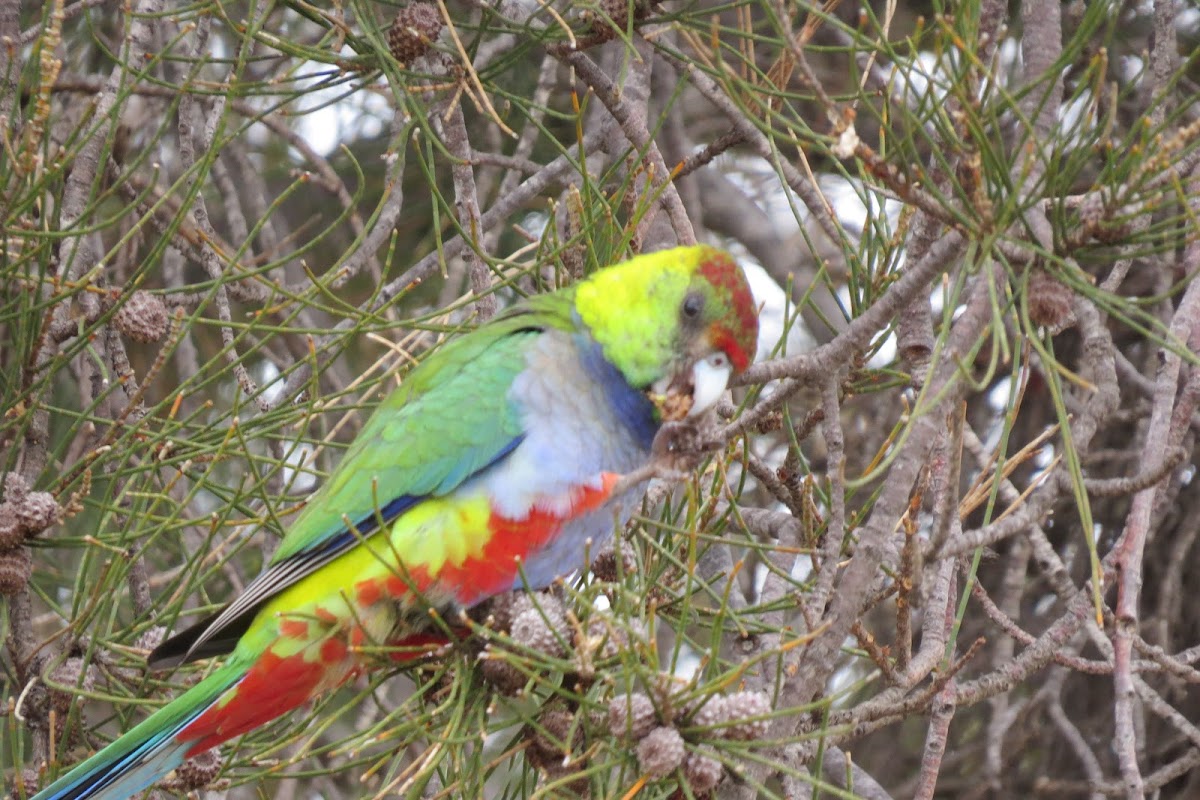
[{"x": 450, "y": 418}]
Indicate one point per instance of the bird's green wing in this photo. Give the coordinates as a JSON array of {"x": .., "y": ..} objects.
[{"x": 450, "y": 419}]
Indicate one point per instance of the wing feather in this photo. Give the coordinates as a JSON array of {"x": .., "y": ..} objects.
[{"x": 450, "y": 420}]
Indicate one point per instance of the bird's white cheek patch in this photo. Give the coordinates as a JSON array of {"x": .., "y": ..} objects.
[{"x": 710, "y": 378}]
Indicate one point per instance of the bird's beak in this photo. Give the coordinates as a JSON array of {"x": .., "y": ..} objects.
[
  {"x": 710, "y": 379},
  {"x": 691, "y": 392}
]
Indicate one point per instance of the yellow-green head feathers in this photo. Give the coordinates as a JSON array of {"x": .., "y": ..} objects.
[{"x": 656, "y": 311}]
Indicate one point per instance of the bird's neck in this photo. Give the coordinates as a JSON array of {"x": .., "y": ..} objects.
[{"x": 629, "y": 403}]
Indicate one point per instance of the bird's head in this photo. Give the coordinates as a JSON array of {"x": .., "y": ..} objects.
[{"x": 677, "y": 324}]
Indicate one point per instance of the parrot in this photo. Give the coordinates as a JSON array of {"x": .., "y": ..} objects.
[{"x": 494, "y": 466}]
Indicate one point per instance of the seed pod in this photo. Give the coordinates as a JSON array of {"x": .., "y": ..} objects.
[
  {"x": 16, "y": 567},
  {"x": 602, "y": 30},
  {"x": 198, "y": 771},
  {"x": 575, "y": 788},
  {"x": 702, "y": 773},
  {"x": 12, "y": 534},
  {"x": 15, "y": 487},
  {"x": 739, "y": 708},
  {"x": 660, "y": 752},
  {"x": 711, "y": 714},
  {"x": 614, "y": 562},
  {"x": 631, "y": 715},
  {"x": 1049, "y": 302},
  {"x": 609, "y": 636},
  {"x": 151, "y": 638},
  {"x": 498, "y": 611},
  {"x": 25, "y": 784},
  {"x": 542, "y": 630},
  {"x": 555, "y": 739},
  {"x": 414, "y": 28},
  {"x": 143, "y": 317},
  {"x": 37, "y": 511},
  {"x": 67, "y": 674},
  {"x": 501, "y": 674}
]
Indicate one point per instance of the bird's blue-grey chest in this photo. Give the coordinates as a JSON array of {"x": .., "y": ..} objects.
[{"x": 581, "y": 420}]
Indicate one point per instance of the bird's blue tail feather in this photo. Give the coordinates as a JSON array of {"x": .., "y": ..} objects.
[{"x": 139, "y": 758}]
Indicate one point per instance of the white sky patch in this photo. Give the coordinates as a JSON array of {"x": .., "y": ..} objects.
[
  {"x": 991, "y": 436},
  {"x": 219, "y": 50},
  {"x": 298, "y": 477},
  {"x": 1133, "y": 68},
  {"x": 920, "y": 76},
  {"x": 535, "y": 222},
  {"x": 1009, "y": 53},
  {"x": 854, "y": 204},
  {"x": 1044, "y": 604},
  {"x": 351, "y": 113},
  {"x": 1188, "y": 22},
  {"x": 1008, "y": 58},
  {"x": 801, "y": 570},
  {"x": 886, "y": 353},
  {"x": 1077, "y": 118},
  {"x": 846, "y": 201},
  {"x": 958, "y": 311},
  {"x": 269, "y": 379},
  {"x": 785, "y": 209},
  {"x": 761, "y": 573},
  {"x": 1045, "y": 456},
  {"x": 687, "y": 662},
  {"x": 998, "y": 396},
  {"x": 773, "y": 318}
]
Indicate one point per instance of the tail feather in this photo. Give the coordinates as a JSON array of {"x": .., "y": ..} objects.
[{"x": 149, "y": 751}]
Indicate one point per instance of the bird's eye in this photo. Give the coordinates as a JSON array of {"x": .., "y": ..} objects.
[{"x": 693, "y": 304}]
